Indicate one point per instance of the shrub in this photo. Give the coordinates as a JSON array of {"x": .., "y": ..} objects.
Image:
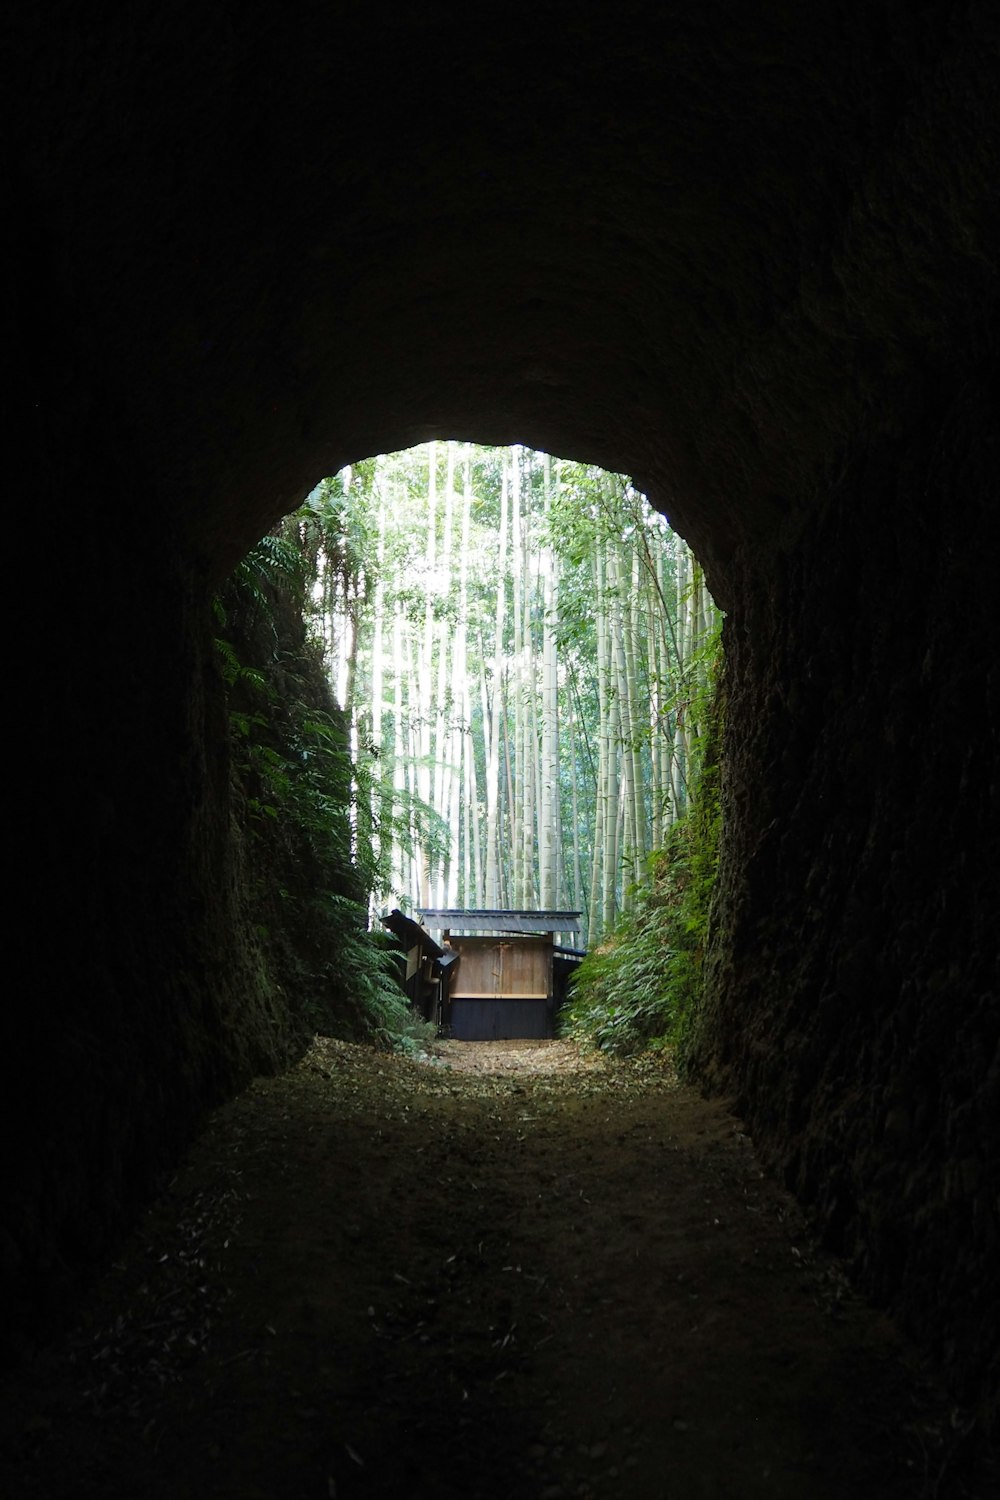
[{"x": 642, "y": 987}]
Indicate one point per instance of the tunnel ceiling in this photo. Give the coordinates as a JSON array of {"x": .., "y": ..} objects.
[{"x": 690, "y": 245}]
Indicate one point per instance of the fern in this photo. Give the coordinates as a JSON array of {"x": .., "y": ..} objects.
[
  {"x": 294, "y": 784},
  {"x": 642, "y": 987},
  {"x": 273, "y": 563}
]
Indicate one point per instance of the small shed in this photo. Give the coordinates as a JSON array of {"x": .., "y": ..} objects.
[{"x": 503, "y": 983}]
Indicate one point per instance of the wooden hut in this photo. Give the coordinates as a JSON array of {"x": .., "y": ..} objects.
[{"x": 503, "y": 983}]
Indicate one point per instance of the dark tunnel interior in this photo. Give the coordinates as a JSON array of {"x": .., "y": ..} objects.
[{"x": 745, "y": 254}]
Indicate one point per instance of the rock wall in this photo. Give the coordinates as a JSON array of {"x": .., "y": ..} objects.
[
  {"x": 853, "y": 994},
  {"x": 140, "y": 999}
]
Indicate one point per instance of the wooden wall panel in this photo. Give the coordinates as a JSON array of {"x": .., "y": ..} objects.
[
  {"x": 499, "y": 1020},
  {"x": 491, "y": 967}
]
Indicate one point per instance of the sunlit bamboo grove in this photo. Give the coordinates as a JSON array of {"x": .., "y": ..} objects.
[{"x": 521, "y": 647}]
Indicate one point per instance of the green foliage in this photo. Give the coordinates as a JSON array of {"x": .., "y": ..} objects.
[
  {"x": 414, "y": 1036},
  {"x": 231, "y": 666},
  {"x": 374, "y": 976},
  {"x": 274, "y": 563},
  {"x": 406, "y": 820},
  {"x": 294, "y": 785},
  {"x": 642, "y": 987}
]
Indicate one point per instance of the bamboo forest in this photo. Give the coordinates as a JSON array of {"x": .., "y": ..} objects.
[{"x": 522, "y": 650}]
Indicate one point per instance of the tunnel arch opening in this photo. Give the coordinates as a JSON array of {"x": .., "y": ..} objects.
[{"x": 523, "y": 657}]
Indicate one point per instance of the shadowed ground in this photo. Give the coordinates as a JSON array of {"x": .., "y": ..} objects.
[{"x": 505, "y": 1271}]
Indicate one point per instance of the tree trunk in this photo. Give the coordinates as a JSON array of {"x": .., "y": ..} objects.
[{"x": 492, "y": 878}]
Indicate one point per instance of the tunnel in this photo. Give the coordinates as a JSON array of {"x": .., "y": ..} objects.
[{"x": 746, "y": 254}]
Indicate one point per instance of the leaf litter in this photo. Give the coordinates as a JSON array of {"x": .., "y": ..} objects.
[{"x": 510, "y": 1269}]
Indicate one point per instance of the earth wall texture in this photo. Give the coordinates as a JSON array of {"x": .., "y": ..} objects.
[{"x": 853, "y": 988}]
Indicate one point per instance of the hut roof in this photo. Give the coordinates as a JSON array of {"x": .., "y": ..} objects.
[
  {"x": 499, "y": 919},
  {"x": 411, "y": 933}
]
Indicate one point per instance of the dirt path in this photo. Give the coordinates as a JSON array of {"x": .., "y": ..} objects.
[{"x": 510, "y": 1273}]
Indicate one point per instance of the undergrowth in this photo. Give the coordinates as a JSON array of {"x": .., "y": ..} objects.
[
  {"x": 305, "y": 873},
  {"x": 641, "y": 988}
]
